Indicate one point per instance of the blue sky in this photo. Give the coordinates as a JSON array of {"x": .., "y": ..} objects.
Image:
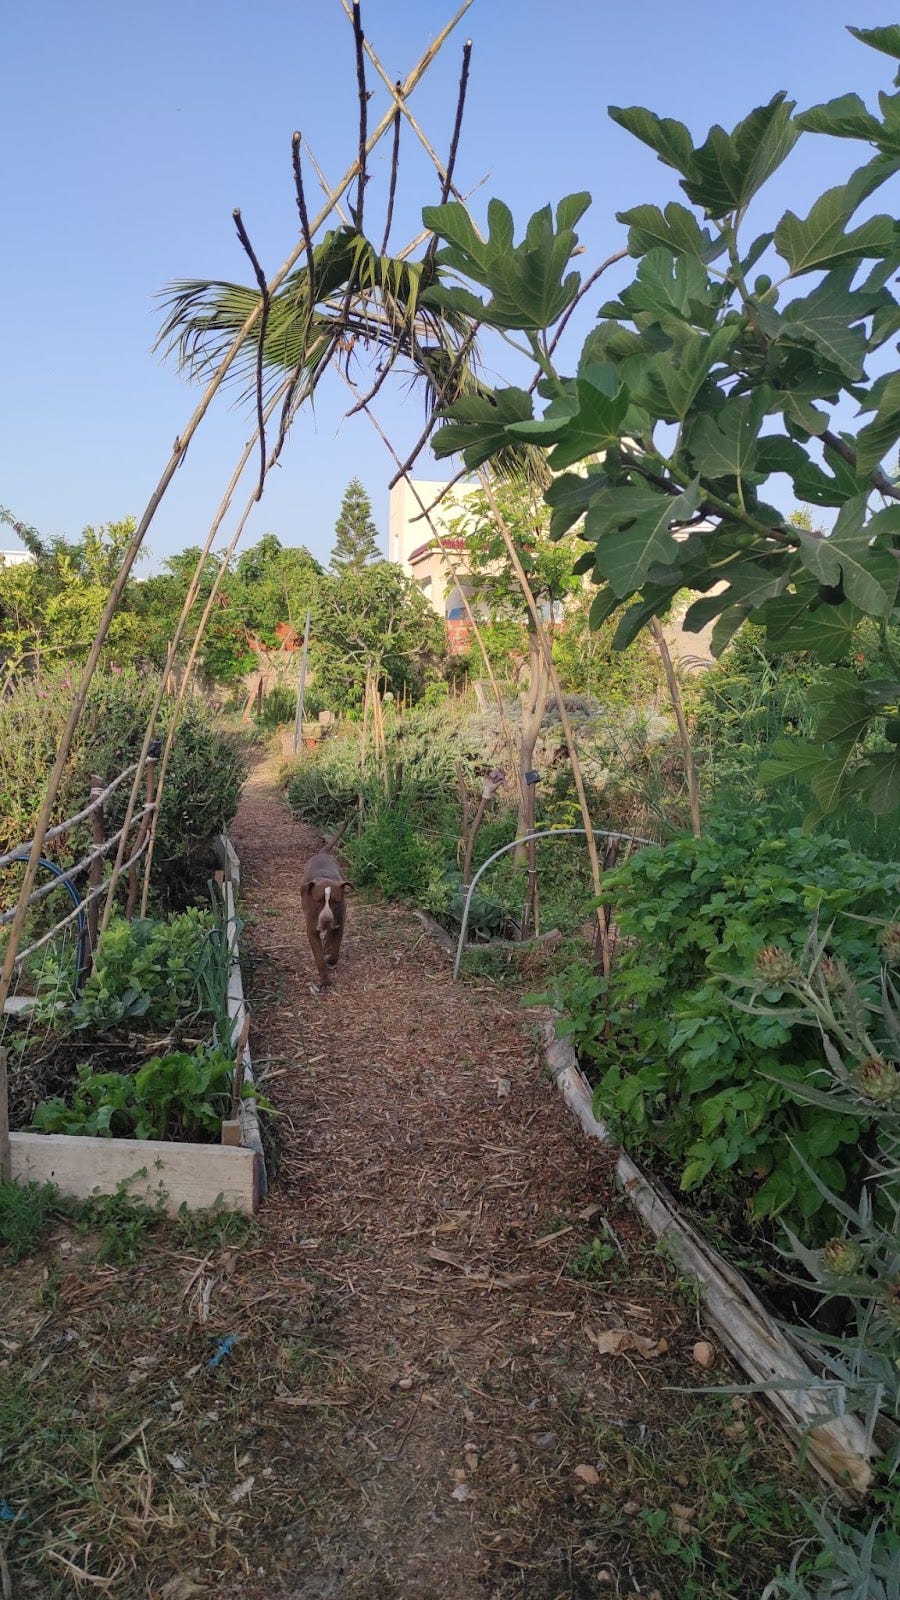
[{"x": 132, "y": 130}]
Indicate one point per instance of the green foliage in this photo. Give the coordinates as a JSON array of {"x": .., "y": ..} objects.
[
  {"x": 147, "y": 969},
  {"x": 716, "y": 1091},
  {"x": 852, "y": 1565},
  {"x": 202, "y": 788},
  {"x": 392, "y": 855},
  {"x": 27, "y": 1212},
  {"x": 50, "y": 606},
  {"x": 700, "y": 385},
  {"x": 547, "y": 566},
  {"x": 373, "y": 617},
  {"x": 358, "y": 293},
  {"x": 755, "y": 700},
  {"x": 423, "y": 748},
  {"x": 591, "y": 1261},
  {"x": 280, "y": 707},
  {"x": 356, "y": 537},
  {"x": 176, "y": 1096},
  {"x": 857, "y": 1270},
  {"x": 525, "y": 281},
  {"x": 588, "y": 663}
]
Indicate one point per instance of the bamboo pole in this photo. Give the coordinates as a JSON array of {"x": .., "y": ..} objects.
[
  {"x": 298, "y": 720},
  {"x": 180, "y": 446},
  {"x": 5, "y": 1159},
  {"x": 398, "y": 95},
  {"x": 149, "y": 796},
  {"x": 454, "y": 573},
  {"x": 95, "y": 874},
  {"x": 171, "y": 653},
  {"x": 683, "y": 734},
  {"x": 544, "y": 642}
]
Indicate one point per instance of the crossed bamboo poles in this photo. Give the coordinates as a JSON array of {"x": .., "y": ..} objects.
[
  {"x": 399, "y": 93},
  {"x": 368, "y": 141}
]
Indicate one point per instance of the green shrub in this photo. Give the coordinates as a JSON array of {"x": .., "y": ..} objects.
[
  {"x": 588, "y": 664},
  {"x": 280, "y": 707},
  {"x": 392, "y": 855},
  {"x": 176, "y": 1096},
  {"x": 325, "y": 786},
  {"x": 423, "y": 749},
  {"x": 679, "y": 1069},
  {"x": 27, "y": 1212},
  {"x": 754, "y": 696},
  {"x": 202, "y": 786},
  {"x": 147, "y": 969}
]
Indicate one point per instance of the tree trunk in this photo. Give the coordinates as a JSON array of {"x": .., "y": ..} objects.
[{"x": 534, "y": 704}]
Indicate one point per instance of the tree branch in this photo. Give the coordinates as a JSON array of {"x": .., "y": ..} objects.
[
  {"x": 841, "y": 448},
  {"x": 264, "y": 318}
]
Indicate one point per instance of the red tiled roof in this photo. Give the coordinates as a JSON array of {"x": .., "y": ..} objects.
[{"x": 447, "y": 542}]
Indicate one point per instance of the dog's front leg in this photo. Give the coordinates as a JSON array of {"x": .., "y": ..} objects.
[
  {"x": 333, "y": 944},
  {"x": 315, "y": 942}
]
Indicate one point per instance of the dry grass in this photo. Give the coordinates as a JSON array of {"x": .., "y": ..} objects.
[{"x": 413, "y": 1387}]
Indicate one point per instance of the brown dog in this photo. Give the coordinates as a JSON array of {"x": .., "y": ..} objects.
[{"x": 322, "y": 887}]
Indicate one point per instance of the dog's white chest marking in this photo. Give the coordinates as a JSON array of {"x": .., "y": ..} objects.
[{"x": 326, "y": 915}]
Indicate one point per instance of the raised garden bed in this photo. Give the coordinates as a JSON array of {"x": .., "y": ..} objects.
[
  {"x": 175, "y": 1174},
  {"x": 839, "y": 1449}
]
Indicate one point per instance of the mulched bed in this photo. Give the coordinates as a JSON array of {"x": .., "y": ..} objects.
[{"x": 415, "y": 1407}]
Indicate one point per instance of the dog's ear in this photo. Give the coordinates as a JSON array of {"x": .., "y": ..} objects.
[
  {"x": 307, "y": 888},
  {"x": 346, "y": 885}
]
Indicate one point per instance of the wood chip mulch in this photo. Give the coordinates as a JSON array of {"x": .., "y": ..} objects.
[
  {"x": 399, "y": 1387},
  {"x": 432, "y": 1186}
]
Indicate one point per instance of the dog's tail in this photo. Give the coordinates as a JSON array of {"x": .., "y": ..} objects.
[{"x": 336, "y": 839}]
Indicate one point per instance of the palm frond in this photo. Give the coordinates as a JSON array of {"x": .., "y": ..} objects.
[{"x": 361, "y": 298}]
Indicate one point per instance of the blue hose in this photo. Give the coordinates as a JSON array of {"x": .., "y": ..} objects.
[{"x": 81, "y": 920}]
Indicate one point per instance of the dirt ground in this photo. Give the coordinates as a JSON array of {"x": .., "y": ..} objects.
[{"x": 415, "y": 1405}]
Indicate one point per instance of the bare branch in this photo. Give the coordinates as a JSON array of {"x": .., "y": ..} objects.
[
  {"x": 392, "y": 191},
  {"x": 421, "y": 442},
  {"x": 457, "y": 125},
  {"x": 261, "y": 336},
  {"x": 842, "y": 448},
  {"x": 304, "y": 224},
  {"x": 359, "y": 42},
  {"x": 399, "y": 95}
]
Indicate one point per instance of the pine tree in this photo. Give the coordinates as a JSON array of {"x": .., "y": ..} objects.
[{"x": 357, "y": 539}]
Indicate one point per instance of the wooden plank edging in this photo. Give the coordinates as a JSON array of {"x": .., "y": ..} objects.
[
  {"x": 838, "y": 1448},
  {"x": 196, "y": 1175},
  {"x": 251, "y": 1139}
]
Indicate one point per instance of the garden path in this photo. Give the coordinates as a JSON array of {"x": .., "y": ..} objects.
[
  {"x": 401, "y": 1381},
  {"x": 442, "y": 1425}
]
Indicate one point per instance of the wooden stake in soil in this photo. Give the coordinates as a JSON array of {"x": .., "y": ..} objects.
[
  {"x": 678, "y": 707},
  {"x": 577, "y": 774},
  {"x": 95, "y": 876},
  {"x": 301, "y": 692},
  {"x": 5, "y": 1161}
]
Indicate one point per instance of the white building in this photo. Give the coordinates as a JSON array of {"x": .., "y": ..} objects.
[
  {"x": 425, "y": 547},
  {"x": 14, "y": 558}
]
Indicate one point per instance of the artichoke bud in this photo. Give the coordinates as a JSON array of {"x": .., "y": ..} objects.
[
  {"x": 776, "y": 966},
  {"x": 878, "y": 1080},
  {"x": 841, "y": 1258}
]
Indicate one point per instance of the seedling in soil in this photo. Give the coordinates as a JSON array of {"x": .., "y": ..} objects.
[{"x": 591, "y": 1260}]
